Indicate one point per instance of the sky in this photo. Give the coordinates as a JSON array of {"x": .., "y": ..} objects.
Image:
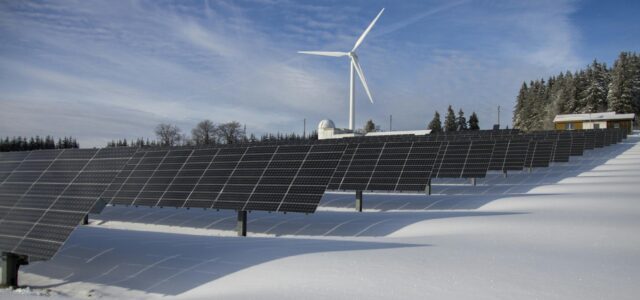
[{"x": 103, "y": 70}]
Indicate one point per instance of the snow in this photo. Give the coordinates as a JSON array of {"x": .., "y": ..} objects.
[{"x": 564, "y": 232}]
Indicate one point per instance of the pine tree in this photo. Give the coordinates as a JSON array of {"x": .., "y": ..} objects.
[
  {"x": 579, "y": 85},
  {"x": 538, "y": 103},
  {"x": 369, "y": 126},
  {"x": 461, "y": 120},
  {"x": 635, "y": 83},
  {"x": 594, "y": 96},
  {"x": 620, "y": 96},
  {"x": 435, "y": 125},
  {"x": 473, "y": 122},
  {"x": 518, "y": 111},
  {"x": 450, "y": 120}
]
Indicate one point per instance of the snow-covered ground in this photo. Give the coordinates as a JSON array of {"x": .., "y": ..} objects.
[{"x": 570, "y": 231}]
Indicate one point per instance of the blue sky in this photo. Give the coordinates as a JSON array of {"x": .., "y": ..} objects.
[{"x": 100, "y": 70}]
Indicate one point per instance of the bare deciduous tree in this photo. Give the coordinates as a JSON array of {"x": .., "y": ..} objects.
[
  {"x": 231, "y": 132},
  {"x": 168, "y": 134},
  {"x": 205, "y": 133}
]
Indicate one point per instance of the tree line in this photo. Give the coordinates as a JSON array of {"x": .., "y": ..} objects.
[
  {"x": 453, "y": 122},
  {"x": 597, "y": 88},
  {"x": 36, "y": 143},
  {"x": 207, "y": 132}
]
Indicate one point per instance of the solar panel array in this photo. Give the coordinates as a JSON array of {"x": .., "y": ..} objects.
[
  {"x": 48, "y": 193},
  {"x": 45, "y": 194}
]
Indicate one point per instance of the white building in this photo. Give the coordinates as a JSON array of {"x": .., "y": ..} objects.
[{"x": 327, "y": 130}]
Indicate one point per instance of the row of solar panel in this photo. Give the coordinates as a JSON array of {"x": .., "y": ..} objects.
[
  {"x": 365, "y": 168},
  {"x": 45, "y": 194}
]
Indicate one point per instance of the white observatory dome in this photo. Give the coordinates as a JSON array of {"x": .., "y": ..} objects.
[{"x": 326, "y": 124}]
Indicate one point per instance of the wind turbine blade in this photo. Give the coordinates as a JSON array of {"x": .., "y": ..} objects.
[
  {"x": 366, "y": 31},
  {"x": 356, "y": 65},
  {"x": 325, "y": 53}
]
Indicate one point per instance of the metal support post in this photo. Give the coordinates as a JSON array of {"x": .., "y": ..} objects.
[
  {"x": 10, "y": 264},
  {"x": 359, "y": 201},
  {"x": 242, "y": 223},
  {"x": 473, "y": 181},
  {"x": 85, "y": 220},
  {"x": 429, "y": 187}
]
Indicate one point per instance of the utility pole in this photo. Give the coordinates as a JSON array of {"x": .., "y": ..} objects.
[
  {"x": 498, "y": 116},
  {"x": 304, "y": 128},
  {"x": 390, "y": 122}
]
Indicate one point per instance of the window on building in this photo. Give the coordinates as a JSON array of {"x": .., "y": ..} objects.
[
  {"x": 616, "y": 125},
  {"x": 568, "y": 126},
  {"x": 596, "y": 126}
]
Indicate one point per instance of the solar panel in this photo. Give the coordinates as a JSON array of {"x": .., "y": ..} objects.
[
  {"x": 589, "y": 140},
  {"x": 577, "y": 143},
  {"x": 361, "y": 166},
  {"x": 295, "y": 179},
  {"x": 271, "y": 178},
  {"x": 201, "y": 177},
  {"x": 452, "y": 159},
  {"x": 499, "y": 155},
  {"x": 516, "y": 155},
  {"x": 127, "y": 184},
  {"x": 477, "y": 161},
  {"x": 562, "y": 148},
  {"x": 49, "y": 193},
  {"x": 606, "y": 137},
  {"x": 530, "y": 152},
  {"x": 613, "y": 136},
  {"x": 9, "y": 161},
  {"x": 417, "y": 169},
  {"x": 541, "y": 154},
  {"x": 598, "y": 138},
  {"x": 624, "y": 133},
  {"x": 343, "y": 166},
  {"x": 390, "y": 166}
]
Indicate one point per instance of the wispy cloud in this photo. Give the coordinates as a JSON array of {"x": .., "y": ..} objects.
[
  {"x": 417, "y": 17},
  {"x": 104, "y": 70}
]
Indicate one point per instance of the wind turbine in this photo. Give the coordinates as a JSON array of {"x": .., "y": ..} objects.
[{"x": 355, "y": 66}]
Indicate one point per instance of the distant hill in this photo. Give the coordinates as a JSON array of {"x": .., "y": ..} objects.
[{"x": 594, "y": 89}]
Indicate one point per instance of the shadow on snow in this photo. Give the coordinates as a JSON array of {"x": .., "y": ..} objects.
[{"x": 171, "y": 264}]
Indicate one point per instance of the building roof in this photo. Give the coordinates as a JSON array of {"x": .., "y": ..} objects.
[
  {"x": 326, "y": 124},
  {"x": 402, "y": 132},
  {"x": 604, "y": 116}
]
